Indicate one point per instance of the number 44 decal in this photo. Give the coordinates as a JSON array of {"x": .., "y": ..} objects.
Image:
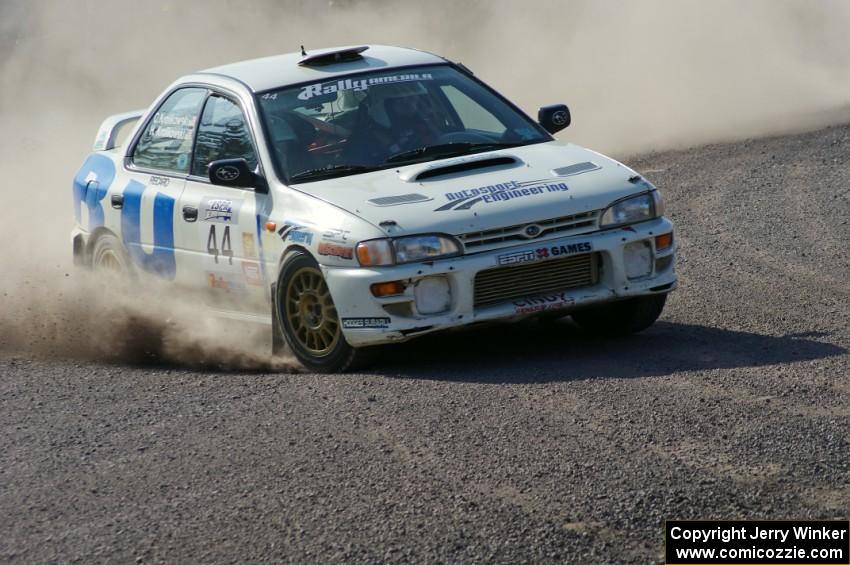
[{"x": 226, "y": 247}]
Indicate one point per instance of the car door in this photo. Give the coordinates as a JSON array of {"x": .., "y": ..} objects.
[
  {"x": 224, "y": 243},
  {"x": 157, "y": 166}
]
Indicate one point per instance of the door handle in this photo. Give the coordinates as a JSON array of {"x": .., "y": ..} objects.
[
  {"x": 117, "y": 201},
  {"x": 190, "y": 213}
]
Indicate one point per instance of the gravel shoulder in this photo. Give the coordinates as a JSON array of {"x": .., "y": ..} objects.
[{"x": 526, "y": 443}]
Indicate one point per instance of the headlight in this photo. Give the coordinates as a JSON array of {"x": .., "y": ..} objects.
[
  {"x": 378, "y": 252},
  {"x": 635, "y": 209}
]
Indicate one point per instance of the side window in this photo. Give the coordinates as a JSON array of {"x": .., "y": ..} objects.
[
  {"x": 472, "y": 114},
  {"x": 166, "y": 143},
  {"x": 222, "y": 134}
]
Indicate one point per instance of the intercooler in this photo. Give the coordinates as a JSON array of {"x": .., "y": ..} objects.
[{"x": 503, "y": 284}]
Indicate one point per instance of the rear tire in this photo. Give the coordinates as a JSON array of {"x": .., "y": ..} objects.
[
  {"x": 307, "y": 318},
  {"x": 109, "y": 256},
  {"x": 621, "y": 318}
]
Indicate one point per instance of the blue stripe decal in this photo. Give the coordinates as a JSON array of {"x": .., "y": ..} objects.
[
  {"x": 161, "y": 260},
  {"x": 100, "y": 169}
]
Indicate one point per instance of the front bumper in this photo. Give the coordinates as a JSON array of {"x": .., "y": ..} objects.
[{"x": 368, "y": 320}]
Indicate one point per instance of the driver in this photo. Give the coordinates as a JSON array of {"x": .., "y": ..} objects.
[{"x": 409, "y": 128}]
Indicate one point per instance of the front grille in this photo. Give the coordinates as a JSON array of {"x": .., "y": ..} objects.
[
  {"x": 508, "y": 283},
  {"x": 565, "y": 225}
]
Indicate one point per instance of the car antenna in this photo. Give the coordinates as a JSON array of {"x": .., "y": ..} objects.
[{"x": 303, "y": 53}]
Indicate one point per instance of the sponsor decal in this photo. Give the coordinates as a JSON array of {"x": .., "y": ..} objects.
[
  {"x": 219, "y": 210},
  {"x": 172, "y": 127},
  {"x": 311, "y": 90},
  {"x": 301, "y": 236},
  {"x": 248, "y": 246},
  {"x": 365, "y": 323},
  {"x": 542, "y": 303},
  {"x": 501, "y": 192},
  {"x": 529, "y": 256},
  {"x": 224, "y": 281},
  {"x": 251, "y": 272},
  {"x": 335, "y": 250},
  {"x": 336, "y": 235},
  {"x": 517, "y": 257},
  {"x": 565, "y": 249},
  {"x": 295, "y": 233}
]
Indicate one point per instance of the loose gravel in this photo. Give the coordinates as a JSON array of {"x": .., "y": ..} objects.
[{"x": 521, "y": 444}]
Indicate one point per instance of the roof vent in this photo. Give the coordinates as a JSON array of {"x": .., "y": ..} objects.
[{"x": 331, "y": 57}]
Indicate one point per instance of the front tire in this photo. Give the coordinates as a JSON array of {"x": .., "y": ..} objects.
[
  {"x": 621, "y": 318},
  {"x": 308, "y": 320}
]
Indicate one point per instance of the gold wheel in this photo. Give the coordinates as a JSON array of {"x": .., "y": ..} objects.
[{"x": 311, "y": 313}]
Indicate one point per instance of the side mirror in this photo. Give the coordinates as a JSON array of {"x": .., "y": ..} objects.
[
  {"x": 554, "y": 118},
  {"x": 235, "y": 172}
]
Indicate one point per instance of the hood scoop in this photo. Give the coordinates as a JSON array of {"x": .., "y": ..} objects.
[
  {"x": 459, "y": 166},
  {"x": 576, "y": 169},
  {"x": 400, "y": 199}
]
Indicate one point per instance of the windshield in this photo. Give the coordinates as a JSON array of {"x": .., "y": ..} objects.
[{"x": 385, "y": 119}]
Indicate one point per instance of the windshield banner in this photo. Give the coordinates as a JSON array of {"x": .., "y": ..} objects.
[{"x": 311, "y": 90}]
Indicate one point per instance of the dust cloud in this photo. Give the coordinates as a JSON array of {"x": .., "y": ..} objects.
[{"x": 638, "y": 76}]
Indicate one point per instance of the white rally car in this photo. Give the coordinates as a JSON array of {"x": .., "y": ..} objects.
[{"x": 365, "y": 195}]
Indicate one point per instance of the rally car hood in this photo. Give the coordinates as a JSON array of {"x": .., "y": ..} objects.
[{"x": 527, "y": 184}]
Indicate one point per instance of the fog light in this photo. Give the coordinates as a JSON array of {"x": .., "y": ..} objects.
[
  {"x": 663, "y": 263},
  {"x": 387, "y": 288},
  {"x": 433, "y": 295},
  {"x": 637, "y": 257},
  {"x": 663, "y": 241}
]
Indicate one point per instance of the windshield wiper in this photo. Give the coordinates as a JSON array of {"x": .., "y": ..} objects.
[
  {"x": 447, "y": 150},
  {"x": 331, "y": 171}
]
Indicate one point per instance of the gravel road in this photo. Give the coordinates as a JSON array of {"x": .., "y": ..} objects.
[{"x": 520, "y": 444}]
